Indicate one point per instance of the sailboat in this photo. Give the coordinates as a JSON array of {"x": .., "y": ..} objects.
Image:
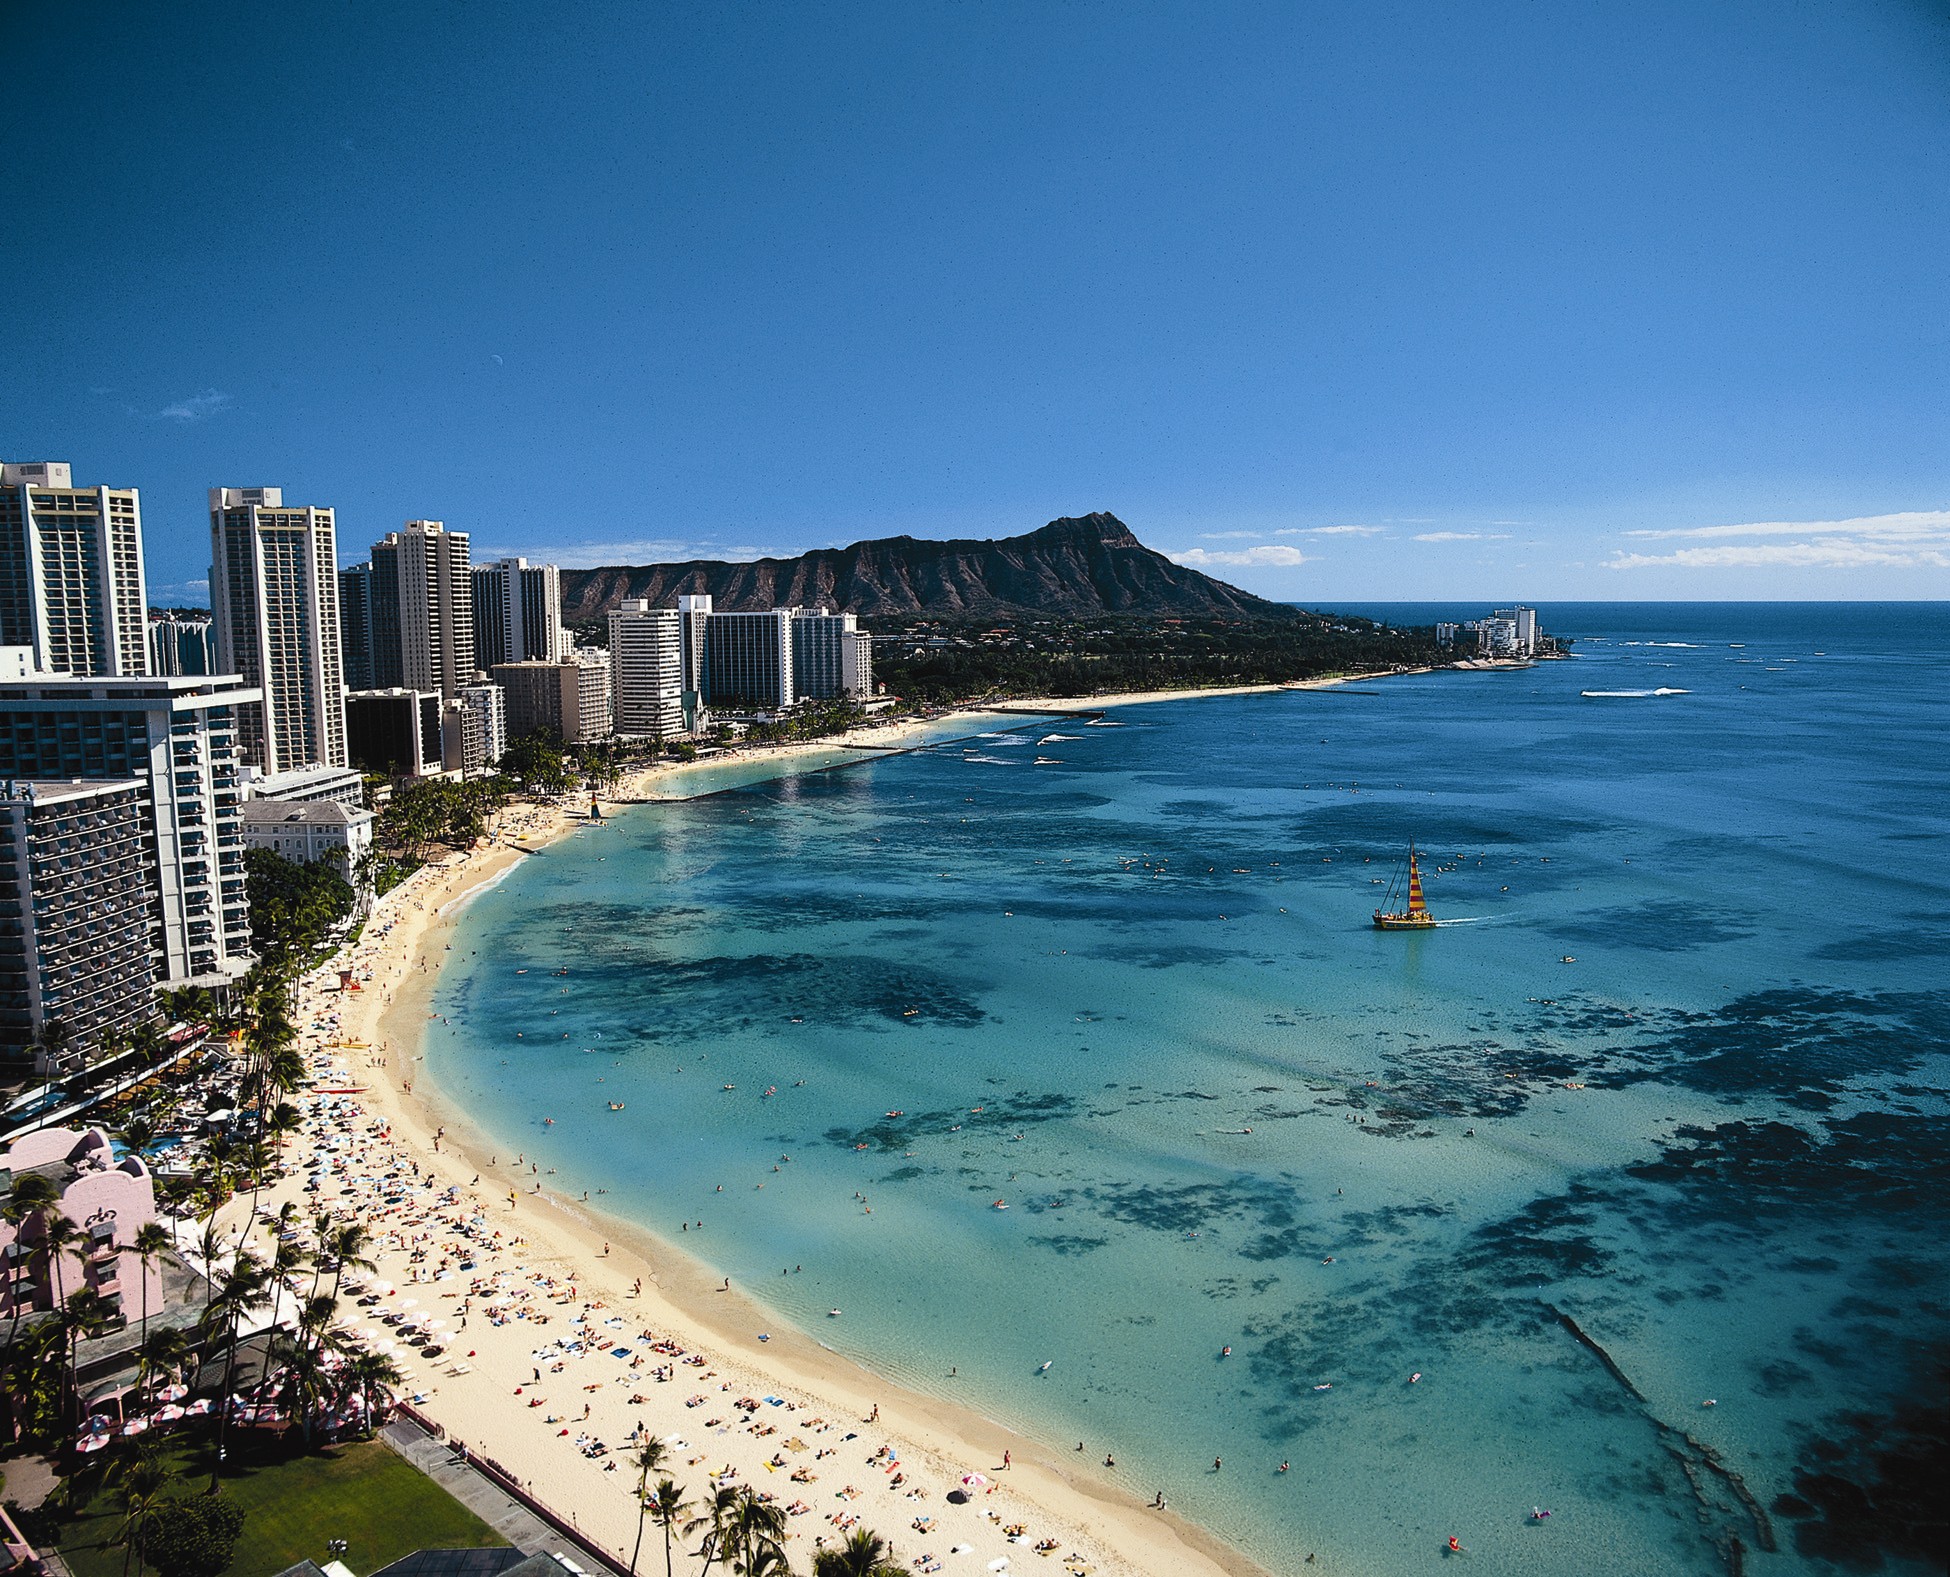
[{"x": 1416, "y": 916}]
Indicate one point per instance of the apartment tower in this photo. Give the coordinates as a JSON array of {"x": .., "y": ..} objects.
[
  {"x": 274, "y": 598},
  {"x": 71, "y": 572},
  {"x": 646, "y": 670},
  {"x": 518, "y": 613}
]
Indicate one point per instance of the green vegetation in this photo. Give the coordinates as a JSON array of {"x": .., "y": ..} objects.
[
  {"x": 293, "y": 1504},
  {"x": 293, "y": 906},
  {"x": 939, "y": 662}
]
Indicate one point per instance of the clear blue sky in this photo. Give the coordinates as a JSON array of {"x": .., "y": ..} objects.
[{"x": 1435, "y": 299}]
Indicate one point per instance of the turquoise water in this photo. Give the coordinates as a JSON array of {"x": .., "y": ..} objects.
[{"x": 1676, "y": 1074}]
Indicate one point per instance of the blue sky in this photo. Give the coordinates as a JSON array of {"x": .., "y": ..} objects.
[{"x": 1334, "y": 300}]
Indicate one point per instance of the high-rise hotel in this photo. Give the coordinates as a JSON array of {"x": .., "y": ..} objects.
[
  {"x": 274, "y": 598},
  {"x": 71, "y": 572}
]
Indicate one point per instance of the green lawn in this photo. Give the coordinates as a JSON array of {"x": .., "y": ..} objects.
[{"x": 293, "y": 1503}]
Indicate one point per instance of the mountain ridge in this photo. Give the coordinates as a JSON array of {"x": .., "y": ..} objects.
[{"x": 1075, "y": 565}]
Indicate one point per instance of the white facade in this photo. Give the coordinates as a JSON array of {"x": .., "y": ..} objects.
[
  {"x": 489, "y": 702},
  {"x": 71, "y": 575},
  {"x": 274, "y": 598},
  {"x": 436, "y": 607},
  {"x": 344, "y": 784},
  {"x": 179, "y": 738},
  {"x": 647, "y": 670},
  {"x": 309, "y": 830}
]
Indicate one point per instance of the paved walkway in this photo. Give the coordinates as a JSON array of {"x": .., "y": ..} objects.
[{"x": 488, "y": 1500}]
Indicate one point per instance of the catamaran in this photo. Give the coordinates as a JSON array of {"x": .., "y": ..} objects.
[{"x": 1416, "y": 916}]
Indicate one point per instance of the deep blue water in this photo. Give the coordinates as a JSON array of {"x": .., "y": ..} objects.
[{"x": 1676, "y": 1077}]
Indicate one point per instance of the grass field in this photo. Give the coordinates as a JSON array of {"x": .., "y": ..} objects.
[{"x": 294, "y": 1503}]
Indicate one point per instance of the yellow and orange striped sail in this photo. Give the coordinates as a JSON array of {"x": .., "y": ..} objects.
[{"x": 1417, "y": 904}]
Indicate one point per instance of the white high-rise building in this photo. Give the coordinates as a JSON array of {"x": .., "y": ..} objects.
[
  {"x": 274, "y": 598},
  {"x": 177, "y": 738},
  {"x": 647, "y": 670},
  {"x": 423, "y": 571},
  {"x": 71, "y": 583},
  {"x": 490, "y": 704},
  {"x": 518, "y": 613}
]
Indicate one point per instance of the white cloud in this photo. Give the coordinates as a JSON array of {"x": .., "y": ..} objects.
[
  {"x": 1267, "y": 553},
  {"x": 593, "y": 555},
  {"x": 196, "y": 408},
  {"x": 1462, "y": 536},
  {"x": 1329, "y": 531},
  {"x": 1911, "y": 540},
  {"x": 1224, "y": 536}
]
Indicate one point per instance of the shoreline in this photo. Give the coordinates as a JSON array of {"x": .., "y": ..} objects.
[{"x": 1111, "y": 1531}]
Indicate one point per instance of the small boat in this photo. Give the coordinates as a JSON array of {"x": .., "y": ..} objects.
[
  {"x": 832, "y": 1314},
  {"x": 1043, "y": 1367},
  {"x": 1416, "y": 916},
  {"x": 616, "y": 1106},
  {"x": 1000, "y": 1204}
]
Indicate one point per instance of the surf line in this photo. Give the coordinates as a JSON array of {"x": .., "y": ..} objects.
[{"x": 1691, "y": 1454}]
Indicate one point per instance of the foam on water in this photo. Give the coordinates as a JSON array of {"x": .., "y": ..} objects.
[{"x": 1665, "y": 1123}]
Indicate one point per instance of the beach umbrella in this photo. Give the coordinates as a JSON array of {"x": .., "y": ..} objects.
[
  {"x": 174, "y": 1392},
  {"x": 974, "y": 1480},
  {"x": 168, "y": 1413},
  {"x": 135, "y": 1426},
  {"x": 91, "y": 1442}
]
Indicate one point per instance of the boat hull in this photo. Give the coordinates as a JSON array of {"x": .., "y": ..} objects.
[{"x": 1404, "y": 922}]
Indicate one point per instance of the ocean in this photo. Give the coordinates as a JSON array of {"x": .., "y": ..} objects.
[{"x": 1621, "y": 1195}]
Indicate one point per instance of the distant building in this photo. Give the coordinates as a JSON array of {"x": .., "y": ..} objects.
[
  {"x": 396, "y": 732},
  {"x": 355, "y": 627},
  {"x": 422, "y": 602},
  {"x": 518, "y": 613},
  {"x": 647, "y": 671},
  {"x": 831, "y": 656},
  {"x": 344, "y": 784},
  {"x": 489, "y": 704},
  {"x": 694, "y": 614},
  {"x": 178, "y": 738},
  {"x": 182, "y": 646},
  {"x": 78, "y": 947},
  {"x": 109, "y": 1200},
  {"x": 748, "y": 660},
  {"x": 274, "y": 598},
  {"x": 567, "y": 701},
  {"x": 1507, "y": 633},
  {"x": 306, "y": 831},
  {"x": 71, "y": 584}
]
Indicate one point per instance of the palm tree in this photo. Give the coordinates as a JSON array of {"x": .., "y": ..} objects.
[
  {"x": 672, "y": 1509},
  {"x": 754, "y": 1524},
  {"x": 87, "y": 1313},
  {"x": 55, "y": 1038},
  {"x": 240, "y": 1289},
  {"x": 152, "y": 1241},
  {"x": 714, "y": 1520},
  {"x": 865, "y": 1554},
  {"x": 371, "y": 1371},
  {"x": 349, "y": 1252},
  {"x": 648, "y": 1457},
  {"x": 142, "y": 1487}
]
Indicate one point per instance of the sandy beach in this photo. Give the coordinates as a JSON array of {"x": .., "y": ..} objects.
[{"x": 568, "y": 1331}]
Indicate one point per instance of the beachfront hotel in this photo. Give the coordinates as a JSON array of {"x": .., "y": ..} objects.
[
  {"x": 567, "y": 701},
  {"x": 76, "y": 942},
  {"x": 831, "y": 655},
  {"x": 274, "y": 600},
  {"x": 71, "y": 585},
  {"x": 182, "y": 646},
  {"x": 177, "y": 738},
  {"x": 748, "y": 660},
  {"x": 647, "y": 670}
]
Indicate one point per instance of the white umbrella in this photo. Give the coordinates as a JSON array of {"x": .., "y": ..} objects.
[{"x": 973, "y": 1480}]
